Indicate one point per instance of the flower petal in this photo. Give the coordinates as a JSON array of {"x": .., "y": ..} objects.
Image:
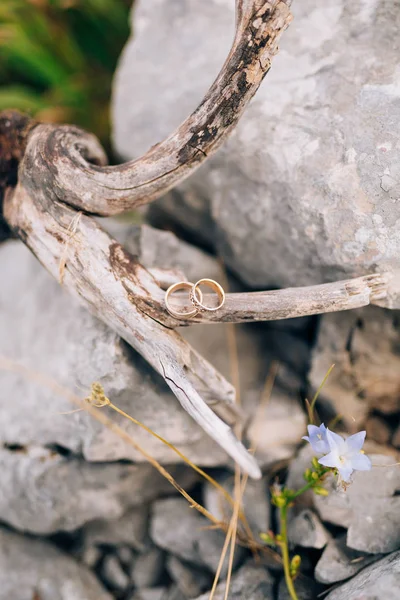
[
  {"x": 356, "y": 441},
  {"x": 331, "y": 460},
  {"x": 345, "y": 471},
  {"x": 335, "y": 441},
  {"x": 305, "y": 437},
  {"x": 360, "y": 462}
]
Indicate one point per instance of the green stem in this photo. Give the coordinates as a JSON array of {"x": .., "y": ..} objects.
[{"x": 285, "y": 553}]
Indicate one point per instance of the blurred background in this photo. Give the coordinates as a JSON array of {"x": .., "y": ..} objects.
[{"x": 57, "y": 58}]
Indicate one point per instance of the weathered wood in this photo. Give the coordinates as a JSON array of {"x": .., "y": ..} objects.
[
  {"x": 115, "y": 287},
  {"x": 291, "y": 302},
  {"x": 71, "y": 162}
]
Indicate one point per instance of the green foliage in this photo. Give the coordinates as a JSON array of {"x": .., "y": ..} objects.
[{"x": 57, "y": 58}]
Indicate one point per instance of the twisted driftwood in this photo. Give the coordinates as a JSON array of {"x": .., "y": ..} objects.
[{"x": 61, "y": 178}]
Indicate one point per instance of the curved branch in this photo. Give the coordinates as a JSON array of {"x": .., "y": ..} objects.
[{"x": 64, "y": 155}]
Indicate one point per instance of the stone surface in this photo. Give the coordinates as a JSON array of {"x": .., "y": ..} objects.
[
  {"x": 190, "y": 580},
  {"x": 147, "y": 569},
  {"x": 274, "y": 435},
  {"x": 339, "y": 562},
  {"x": 380, "y": 581},
  {"x": 255, "y": 501},
  {"x": 181, "y": 530},
  {"x": 315, "y": 156},
  {"x": 44, "y": 492},
  {"x": 306, "y": 530},
  {"x": 251, "y": 582},
  {"x": 369, "y": 508},
  {"x": 130, "y": 529},
  {"x": 364, "y": 345},
  {"x": 113, "y": 573},
  {"x": 31, "y": 569}
]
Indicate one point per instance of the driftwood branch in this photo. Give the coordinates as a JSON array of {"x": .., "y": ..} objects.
[
  {"x": 72, "y": 162},
  {"x": 286, "y": 303}
]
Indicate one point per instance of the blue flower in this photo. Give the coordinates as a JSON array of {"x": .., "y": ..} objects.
[
  {"x": 346, "y": 455},
  {"x": 317, "y": 438}
]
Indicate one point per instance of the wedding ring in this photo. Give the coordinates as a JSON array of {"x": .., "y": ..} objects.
[
  {"x": 181, "y": 285},
  {"x": 197, "y": 300}
]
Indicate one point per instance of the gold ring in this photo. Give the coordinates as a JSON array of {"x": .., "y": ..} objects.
[
  {"x": 196, "y": 299},
  {"x": 181, "y": 285}
]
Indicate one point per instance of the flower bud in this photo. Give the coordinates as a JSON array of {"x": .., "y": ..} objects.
[
  {"x": 321, "y": 491},
  {"x": 279, "y": 501},
  {"x": 315, "y": 463},
  {"x": 307, "y": 474},
  {"x": 295, "y": 565},
  {"x": 268, "y": 538}
]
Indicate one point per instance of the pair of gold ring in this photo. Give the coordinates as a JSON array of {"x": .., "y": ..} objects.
[{"x": 195, "y": 297}]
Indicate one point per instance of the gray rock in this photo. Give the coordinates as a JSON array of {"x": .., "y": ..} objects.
[
  {"x": 339, "y": 562},
  {"x": 190, "y": 580},
  {"x": 43, "y": 492},
  {"x": 181, "y": 530},
  {"x": 251, "y": 582},
  {"x": 255, "y": 501},
  {"x": 113, "y": 573},
  {"x": 380, "y": 581},
  {"x": 306, "y": 530},
  {"x": 315, "y": 156},
  {"x": 369, "y": 508},
  {"x": 156, "y": 593},
  {"x": 363, "y": 345},
  {"x": 272, "y": 433},
  {"x": 34, "y": 569},
  {"x": 147, "y": 569},
  {"x": 130, "y": 529}
]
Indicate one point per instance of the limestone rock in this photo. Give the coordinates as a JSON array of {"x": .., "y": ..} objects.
[
  {"x": 113, "y": 573},
  {"x": 306, "y": 530},
  {"x": 31, "y": 568},
  {"x": 43, "y": 492},
  {"x": 276, "y": 431},
  {"x": 379, "y": 581},
  {"x": 364, "y": 346},
  {"x": 255, "y": 501},
  {"x": 129, "y": 529},
  {"x": 189, "y": 579},
  {"x": 339, "y": 562},
  {"x": 147, "y": 569},
  {"x": 251, "y": 582},
  {"x": 310, "y": 176},
  {"x": 369, "y": 508},
  {"x": 179, "y": 529}
]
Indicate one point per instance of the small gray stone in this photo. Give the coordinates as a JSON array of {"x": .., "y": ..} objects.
[
  {"x": 156, "y": 593},
  {"x": 306, "y": 530},
  {"x": 380, "y": 581},
  {"x": 125, "y": 555},
  {"x": 147, "y": 569},
  {"x": 130, "y": 529},
  {"x": 34, "y": 569},
  {"x": 190, "y": 580},
  {"x": 339, "y": 562},
  {"x": 255, "y": 501},
  {"x": 181, "y": 530},
  {"x": 113, "y": 573},
  {"x": 43, "y": 492},
  {"x": 251, "y": 582},
  {"x": 91, "y": 556},
  {"x": 271, "y": 432}
]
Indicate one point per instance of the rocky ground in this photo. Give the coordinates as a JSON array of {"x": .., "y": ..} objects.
[{"x": 305, "y": 191}]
